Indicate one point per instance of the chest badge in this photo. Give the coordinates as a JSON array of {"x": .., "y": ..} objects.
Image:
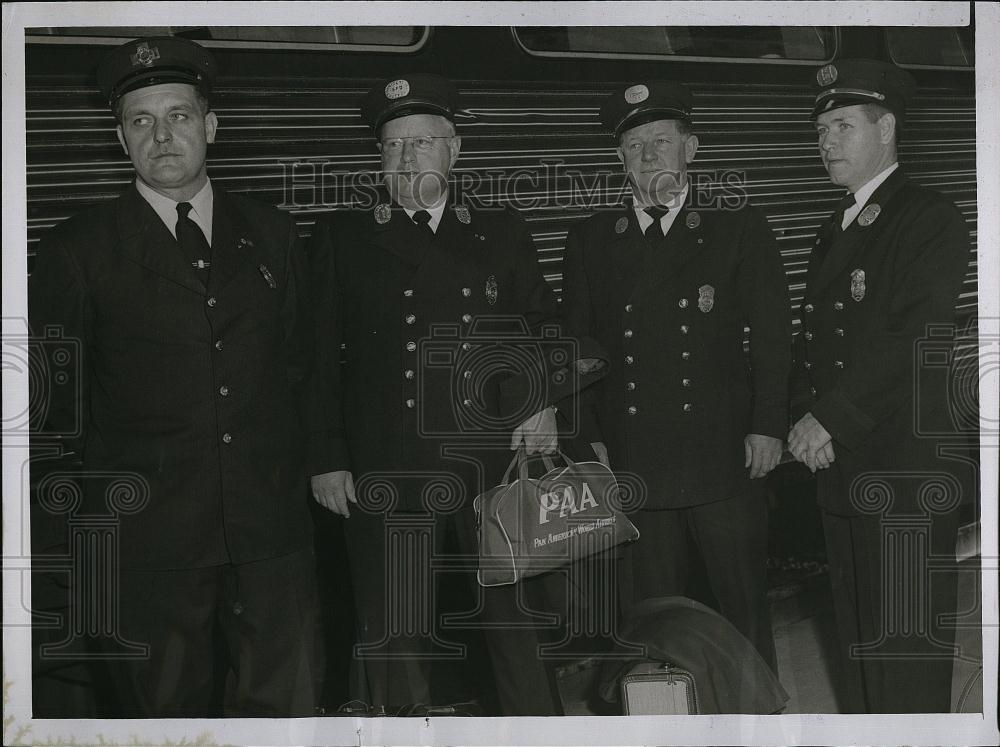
[
  {"x": 869, "y": 215},
  {"x": 692, "y": 221},
  {"x": 491, "y": 290},
  {"x": 462, "y": 213},
  {"x": 858, "y": 284},
  {"x": 383, "y": 213},
  {"x": 706, "y": 298},
  {"x": 621, "y": 226}
]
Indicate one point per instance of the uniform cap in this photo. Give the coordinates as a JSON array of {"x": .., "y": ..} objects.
[
  {"x": 645, "y": 102},
  {"x": 859, "y": 81},
  {"x": 152, "y": 61},
  {"x": 420, "y": 93}
]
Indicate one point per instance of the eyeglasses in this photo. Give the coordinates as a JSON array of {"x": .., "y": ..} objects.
[{"x": 422, "y": 143}]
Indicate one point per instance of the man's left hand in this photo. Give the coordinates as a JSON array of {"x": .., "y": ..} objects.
[
  {"x": 539, "y": 433},
  {"x": 806, "y": 439},
  {"x": 762, "y": 454}
]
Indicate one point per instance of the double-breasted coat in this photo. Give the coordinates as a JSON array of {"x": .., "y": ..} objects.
[
  {"x": 877, "y": 322},
  {"x": 682, "y": 394},
  {"x": 193, "y": 392}
]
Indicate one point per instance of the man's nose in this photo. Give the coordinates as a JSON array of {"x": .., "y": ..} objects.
[
  {"x": 161, "y": 132},
  {"x": 649, "y": 152},
  {"x": 408, "y": 154}
]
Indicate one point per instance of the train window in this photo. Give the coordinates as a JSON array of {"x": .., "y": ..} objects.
[
  {"x": 779, "y": 43},
  {"x": 381, "y": 38},
  {"x": 932, "y": 47}
]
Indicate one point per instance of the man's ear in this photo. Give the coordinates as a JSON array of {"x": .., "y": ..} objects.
[
  {"x": 211, "y": 123},
  {"x": 455, "y": 146},
  {"x": 887, "y": 128},
  {"x": 621, "y": 154},
  {"x": 121, "y": 138},
  {"x": 690, "y": 148}
]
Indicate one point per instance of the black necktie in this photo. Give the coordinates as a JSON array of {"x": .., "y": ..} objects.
[
  {"x": 845, "y": 204},
  {"x": 654, "y": 231},
  {"x": 192, "y": 241},
  {"x": 423, "y": 219}
]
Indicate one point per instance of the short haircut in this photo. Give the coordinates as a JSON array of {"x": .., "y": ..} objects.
[
  {"x": 874, "y": 112},
  {"x": 203, "y": 103}
]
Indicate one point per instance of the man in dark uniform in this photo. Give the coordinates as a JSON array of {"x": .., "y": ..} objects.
[
  {"x": 886, "y": 268},
  {"x": 189, "y": 307},
  {"x": 666, "y": 286},
  {"x": 430, "y": 300}
]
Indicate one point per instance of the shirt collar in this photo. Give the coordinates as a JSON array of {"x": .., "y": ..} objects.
[
  {"x": 436, "y": 212},
  {"x": 202, "y": 205},
  {"x": 645, "y": 220},
  {"x": 863, "y": 194}
]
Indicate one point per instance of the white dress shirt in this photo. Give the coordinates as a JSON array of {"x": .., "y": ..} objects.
[
  {"x": 863, "y": 194},
  {"x": 201, "y": 208},
  {"x": 646, "y": 220}
]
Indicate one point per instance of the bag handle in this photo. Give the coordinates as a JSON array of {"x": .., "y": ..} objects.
[{"x": 521, "y": 460}]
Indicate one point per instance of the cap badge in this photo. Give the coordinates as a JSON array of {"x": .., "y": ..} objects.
[
  {"x": 397, "y": 89},
  {"x": 462, "y": 213},
  {"x": 693, "y": 220},
  {"x": 383, "y": 213},
  {"x": 826, "y": 75},
  {"x": 857, "y": 284},
  {"x": 144, "y": 55},
  {"x": 621, "y": 225},
  {"x": 869, "y": 214},
  {"x": 706, "y": 298},
  {"x": 636, "y": 94},
  {"x": 491, "y": 290}
]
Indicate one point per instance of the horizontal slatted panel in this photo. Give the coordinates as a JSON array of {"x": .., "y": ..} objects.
[{"x": 756, "y": 133}]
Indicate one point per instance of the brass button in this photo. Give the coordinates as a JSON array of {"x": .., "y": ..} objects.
[
  {"x": 686, "y": 382},
  {"x": 467, "y": 374},
  {"x": 408, "y": 373},
  {"x": 838, "y": 305},
  {"x": 808, "y": 335},
  {"x": 812, "y": 389},
  {"x": 686, "y": 356},
  {"x": 683, "y": 303},
  {"x": 632, "y": 410},
  {"x": 808, "y": 308},
  {"x": 410, "y": 318},
  {"x": 839, "y": 332},
  {"x": 224, "y": 390},
  {"x": 629, "y": 360},
  {"x": 218, "y": 344},
  {"x": 807, "y": 365},
  {"x": 467, "y": 402},
  {"x": 411, "y": 346},
  {"x": 466, "y": 318},
  {"x": 685, "y": 329},
  {"x": 211, "y": 301},
  {"x": 411, "y": 403},
  {"x": 628, "y": 333},
  {"x": 237, "y": 608},
  {"x": 226, "y": 438},
  {"x": 466, "y": 346},
  {"x": 466, "y": 292},
  {"x": 838, "y": 364},
  {"x": 630, "y": 386},
  {"x": 687, "y": 407},
  {"x": 408, "y": 292},
  {"x": 628, "y": 307}
]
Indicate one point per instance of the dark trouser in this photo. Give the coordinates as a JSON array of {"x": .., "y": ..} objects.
[
  {"x": 889, "y": 590},
  {"x": 265, "y": 612},
  {"x": 731, "y": 537},
  {"x": 395, "y": 561}
]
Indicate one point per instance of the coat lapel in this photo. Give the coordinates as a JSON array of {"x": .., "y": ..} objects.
[
  {"x": 843, "y": 246},
  {"x": 625, "y": 250},
  {"x": 666, "y": 261},
  {"x": 148, "y": 242},
  {"x": 399, "y": 235},
  {"x": 233, "y": 241}
]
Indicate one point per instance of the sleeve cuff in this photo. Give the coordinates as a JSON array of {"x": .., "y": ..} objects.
[{"x": 844, "y": 422}]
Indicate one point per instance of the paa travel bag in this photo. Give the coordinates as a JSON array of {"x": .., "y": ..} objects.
[{"x": 530, "y": 526}]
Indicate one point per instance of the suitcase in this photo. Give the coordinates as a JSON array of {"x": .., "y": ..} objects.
[{"x": 658, "y": 689}]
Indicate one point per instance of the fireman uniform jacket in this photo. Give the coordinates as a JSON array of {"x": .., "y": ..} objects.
[
  {"x": 874, "y": 292},
  {"x": 193, "y": 392},
  {"x": 681, "y": 395},
  {"x": 416, "y": 337}
]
